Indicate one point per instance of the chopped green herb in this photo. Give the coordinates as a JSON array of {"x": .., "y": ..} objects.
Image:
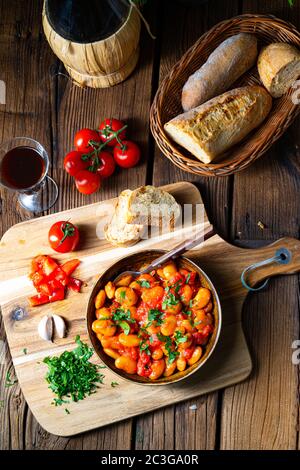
[
  {"x": 114, "y": 384},
  {"x": 122, "y": 294},
  {"x": 125, "y": 327},
  {"x": 144, "y": 347},
  {"x": 144, "y": 284},
  {"x": 179, "y": 337},
  {"x": 9, "y": 382},
  {"x": 155, "y": 315},
  {"x": 122, "y": 318},
  {"x": 25, "y": 351},
  {"x": 172, "y": 354},
  {"x": 102, "y": 367},
  {"x": 67, "y": 411},
  {"x": 71, "y": 375},
  {"x": 191, "y": 303},
  {"x": 188, "y": 312},
  {"x": 188, "y": 277},
  {"x": 170, "y": 300}
]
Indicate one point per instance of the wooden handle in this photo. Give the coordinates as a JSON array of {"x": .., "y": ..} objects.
[
  {"x": 289, "y": 264},
  {"x": 184, "y": 246}
]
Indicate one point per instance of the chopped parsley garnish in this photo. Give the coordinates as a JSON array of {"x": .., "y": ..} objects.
[
  {"x": 169, "y": 300},
  {"x": 114, "y": 384},
  {"x": 179, "y": 337},
  {"x": 123, "y": 294},
  {"x": 25, "y": 351},
  {"x": 154, "y": 315},
  {"x": 121, "y": 317},
  {"x": 172, "y": 354},
  {"x": 144, "y": 347},
  {"x": 9, "y": 382},
  {"x": 144, "y": 283},
  {"x": 188, "y": 277},
  {"x": 67, "y": 411},
  {"x": 71, "y": 375}
]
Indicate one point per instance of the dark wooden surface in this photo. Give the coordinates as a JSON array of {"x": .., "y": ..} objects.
[{"x": 262, "y": 412}]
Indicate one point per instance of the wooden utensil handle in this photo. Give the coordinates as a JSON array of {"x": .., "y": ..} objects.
[
  {"x": 181, "y": 248},
  {"x": 289, "y": 251}
]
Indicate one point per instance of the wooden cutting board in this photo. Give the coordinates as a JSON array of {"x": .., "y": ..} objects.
[{"x": 230, "y": 363}]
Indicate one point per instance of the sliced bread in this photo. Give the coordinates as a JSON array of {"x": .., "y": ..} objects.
[
  {"x": 278, "y": 66},
  {"x": 118, "y": 232},
  {"x": 213, "y": 127},
  {"x": 148, "y": 205}
]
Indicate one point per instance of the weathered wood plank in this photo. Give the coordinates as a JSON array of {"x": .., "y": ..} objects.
[
  {"x": 180, "y": 28},
  {"x": 50, "y": 108},
  {"x": 262, "y": 412}
]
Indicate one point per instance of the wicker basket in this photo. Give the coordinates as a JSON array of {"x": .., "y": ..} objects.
[{"x": 167, "y": 102}]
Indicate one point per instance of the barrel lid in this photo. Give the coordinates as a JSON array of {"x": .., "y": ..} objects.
[{"x": 85, "y": 21}]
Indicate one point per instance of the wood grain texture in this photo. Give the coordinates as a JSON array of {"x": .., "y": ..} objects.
[
  {"x": 180, "y": 27},
  {"x": 128, "y": 399},
  {"x": 262, "y": 413},
  {"x": 44, "y": 103}
]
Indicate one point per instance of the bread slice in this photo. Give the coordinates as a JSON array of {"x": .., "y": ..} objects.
[
  {"x": 210, "y": 129},
  {"x": 152, "y": 206},
  {"x": 278, "y": 66},
  {"x": 118, "y": 232},
  {"x": 231, "y": 59}
]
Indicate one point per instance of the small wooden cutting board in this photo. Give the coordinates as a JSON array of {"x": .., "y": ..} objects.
[{"x": 230, "y": 362}]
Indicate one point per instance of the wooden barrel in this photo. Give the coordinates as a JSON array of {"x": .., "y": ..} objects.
[{"x": 101, "y": 63}]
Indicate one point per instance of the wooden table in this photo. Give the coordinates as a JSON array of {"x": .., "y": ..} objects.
[{"x": 41, "y": 102}]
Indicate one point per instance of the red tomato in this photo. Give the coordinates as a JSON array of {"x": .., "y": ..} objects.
[
  {"x": 87, "y": 182},
  {"x": 69, "y": 266},
  {"x": 108, "y": 164},
  {"x": 73, "y": 162},
  {"x": 127, "y": 155},
  {"x": 39, "y": 299},
  {"x": 63, "y": 237},
  {"x": 82, "y": 139},
  {"x": 75, "y": 284},
  {"x": 107, "y": 126}
]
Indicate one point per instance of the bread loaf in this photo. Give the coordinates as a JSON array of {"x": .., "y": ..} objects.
[
  {"x": 118, "y": 232},
  {"x": 148, "y": 205},
  {"x": 210, "y": 129},
  {"x": 278, "y": 66},
  {"x": 231, "y": 59}
]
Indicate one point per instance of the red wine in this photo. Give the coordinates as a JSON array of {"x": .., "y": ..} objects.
[{"x": 22, "y": 167}]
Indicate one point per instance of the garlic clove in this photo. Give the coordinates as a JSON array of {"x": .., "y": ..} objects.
[
  {"x": 59, "y": 325},
  {"x": 45, "y": 328}
]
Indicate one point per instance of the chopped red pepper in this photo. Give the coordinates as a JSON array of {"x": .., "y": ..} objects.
[
  {"x": 39, "y": 299},
  {"x": 70, "y": 266},
  {"x": 51, "y": 279},
  {"x": 74, "y": 284}
]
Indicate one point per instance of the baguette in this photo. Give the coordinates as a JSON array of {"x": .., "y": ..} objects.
[
  {"x": 118, "y": 232},
  {"x": 215, "y": 126},
  {"x": 148, "y": 205},
  {"x": 231, "y": 59},
  {"x": 278, "y": 67}
]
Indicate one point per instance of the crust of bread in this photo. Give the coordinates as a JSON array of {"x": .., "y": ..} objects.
[
  {"x": 117, "y": 231},
  {"x": 231, "y": 59},
  {"x": 148, "y": 205},
  {"x": 278, "y": 66},
  {"x": 212, "y": 128}
]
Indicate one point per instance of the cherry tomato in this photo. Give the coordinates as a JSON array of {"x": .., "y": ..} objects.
[
  {"x": 63, "y": 237},
  {"x": 82, "y": 138},
  {"x": 127, "y": 155},
  {"x": 87, "y": 182},
  {"x": 107, "y": 126},
  {"x": 108, "y": 164},
  {"x": 73, "y": 162}
]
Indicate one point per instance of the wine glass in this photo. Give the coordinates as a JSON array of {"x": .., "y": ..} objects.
[{"x": 24, "y": 164}]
